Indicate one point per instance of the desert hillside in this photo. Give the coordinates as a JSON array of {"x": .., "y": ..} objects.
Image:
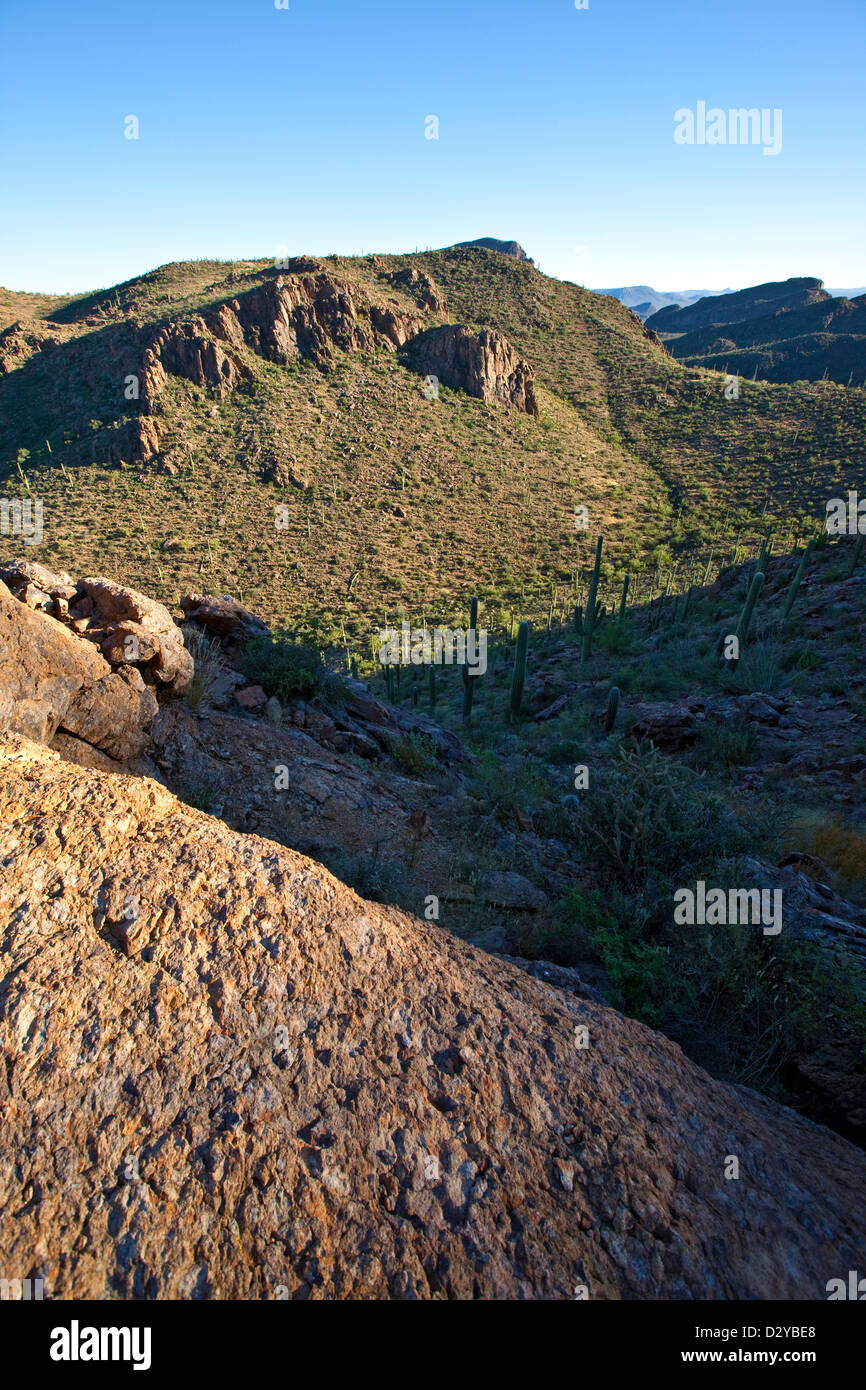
[{"x": 288, "y": 451}]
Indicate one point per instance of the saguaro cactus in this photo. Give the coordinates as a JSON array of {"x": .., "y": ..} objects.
[
  {"x": 589, "y": 624},
  {"x": 611, "y": 708},
  {"x": 469, "y": 681},
  {"x": 766, "y": 552},
  {"x": 747, "y": 614},
  {"x": 624, "y": 600},
  {"x": 519, "y": 676},
  {"x": 795, "y": 582}
]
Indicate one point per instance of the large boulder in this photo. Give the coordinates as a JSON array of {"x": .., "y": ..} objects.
[
  {"x": 43, "y": 669},
  {"x": 223, "y": 617},
  {"x": 111, "y": 608},
  {"x": 52, "y": 679},
  {"x": 114, "y": 714},
  {"x": 227, "y": 1076}
]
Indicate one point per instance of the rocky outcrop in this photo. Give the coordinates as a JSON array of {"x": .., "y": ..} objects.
[
  {"x": 50, "y": 679},
  {"x": 482, "y": 364},
  {"x": 396, "y": 327},
  {"x": 490, "y": 243},
  {"x": 188, "y": 350},
  {"x": 312, "y": 314},
  {"x": 22, "y": 339},
  {"x": 422, "y": 288},
  {"x": 298, "y": 316},
  {"x": 133, "y": 629},
  {"x": 85, "y": 658},
  {"x": 223, "y": 617},
  {"x": 227, "y": 1076}
]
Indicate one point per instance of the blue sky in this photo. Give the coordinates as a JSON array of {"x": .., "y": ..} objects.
[{"x": 263, "y": 129}]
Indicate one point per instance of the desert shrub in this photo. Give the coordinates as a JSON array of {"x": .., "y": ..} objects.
[
  {"x": 565, "y": 750},
  {"x": 569, "y": 937},
  {"x": 646, "y": 815},
  {"x": 282, "y": 667},
  {"x": 639, "y": 971},
  {"x": 758, "y": 670},
  {"x": 842, "y": 849},
  {"x": 763, "y": 1002},
  {"x": 416, "y": 754},
  {"x": 724, "y": 746},
  {"x": 377, "y": 879},
  {"x": 742, "y": 1004},
  {"x": 615, "y": 639},
  {"x": 208, "y": 664},
  {"x": 505, "y": 789}
]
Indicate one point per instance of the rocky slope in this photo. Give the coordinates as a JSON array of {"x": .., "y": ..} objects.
[{"x": 225, "y": 1075}]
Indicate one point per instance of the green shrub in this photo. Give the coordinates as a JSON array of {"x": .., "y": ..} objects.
[
  {"x": 569, "y": 938},
  {"x": 645, "y": 815},
  {"x": 416, "y": 754},
  {"x": 282, "y": 667},
  {"x": 505, "y": 790},
  {"x": 565, "y": 750},
  {"x": 725, "y": 745}
]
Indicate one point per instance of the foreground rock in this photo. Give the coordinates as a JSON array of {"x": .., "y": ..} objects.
[
  {"x": 129, "y": 628},
  {"x": 227, "y": 1076},
  {"x": 51, "y": 680},
  {"x": 223, "y": 617}
]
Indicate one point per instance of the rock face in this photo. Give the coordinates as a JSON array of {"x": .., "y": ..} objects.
[
  {"x": 490, "y": 243},
  {"x": 43, "y": 669},
  {"x": 137, "y": 629},
  {"x": 421, "y": 287},
  {"x": 228, "y": 1076},
  {"x": 20, "y": 340},
  {"x": 84, "y": 659},
  {"x": 224, "y": 617},
  {"x": 482, "y": 364},
  {"x": 309, "y": 313},
  {"x": 187, "y": 350}
]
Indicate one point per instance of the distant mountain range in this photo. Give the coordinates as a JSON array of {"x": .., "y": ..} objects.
[
  {"x": 645, "y": 301},
  {"x": 785, "y": 330}
]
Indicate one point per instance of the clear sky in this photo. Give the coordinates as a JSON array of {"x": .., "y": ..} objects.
[{"x": 264, "y": 129}]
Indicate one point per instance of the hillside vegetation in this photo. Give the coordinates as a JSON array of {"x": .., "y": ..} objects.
[{"x": 400, "y": 505}]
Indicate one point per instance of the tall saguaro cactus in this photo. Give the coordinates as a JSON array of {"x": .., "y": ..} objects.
[
  {"x": 519, "y": 677},
  {"x": 795, "y": 582},
  {"x": 468, "y": 681},
  {"x": 747, "y": 614},
  {"x": 624, "y": 600},
  {"x": 589, "y": 623}
]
